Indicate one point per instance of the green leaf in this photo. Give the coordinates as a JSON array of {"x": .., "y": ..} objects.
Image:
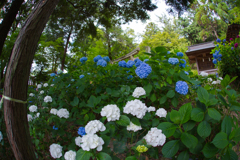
[
  {"x": 91, "y": 101},
  {"x": 175, "y": 116},
  {"x": 103, "y": 156},
  {"x": 212, "y": 102},
  {"x": 163, "y": 99},
  {"x": 207, "y": 87},
  {"x": 203, "y": 95},
  {"x": 148, "y": 88},
  {"x": 83, "y": 155},
  {"x": 204, "y": 129},
  {"x": 226, "y": 125},
  {"x": 214, "y": 114},
  {"x": 189, "y": 125},
  {"x": 183, "y": 156},
  {"x": 220, "y": 140},
  {"x": 234, "y": 108},
  {"x": 119, "y": 146},
  {"x": 232, "y": 79},
  {"x": 155, "y": 122},
  {"x": 80, "y": 89},
  {"x": 153, "y": 97},
  {"x": 209, "y": 150},
  {"x": 169, "y": 80},
  {"x": 189, "y": 140},
  {"x": 225, "y": 81},
  {"x": 170, "y": 148},
  {"x": 222, "y": 100},
  {"x": 230, "y": 155},
  {"x": 75, "y": 101},
  {"x": 167, "y": 128},
  {"x": 131, "y": 158},
  {"x": 135, "y": 121},
  {"x": 170, "y": 94},
  {"x": 171, "y": 71},
  {"x": 185, "y": 112},
  {"x": 174, "y": 102},
  {"x": 235, "y": 135},
  {"x": 123, "y": 121},
  {"x": 197, "y": 114}
]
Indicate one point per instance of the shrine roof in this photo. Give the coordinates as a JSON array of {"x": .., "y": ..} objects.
[{"x": 197, "y": 48}]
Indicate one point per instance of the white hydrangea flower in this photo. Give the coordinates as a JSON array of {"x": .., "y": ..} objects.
[
  {"x": 91, "y": 141},
  {"x": 63, "y": 113},
  {"x": 78, "y": 141},
  {"x": 111, "y": 111},
  {"x": 139, "y": 91},
  {"x": 220, "y": 78},
  {"x": 41, "y": 92},
  {"x": 56, "y": 150},
  {"x": 54, "y": 111},
  {"x": 31, "y": 94},
  {"x": 216, "y": 82},
  {"x": 52, "y": 85},
  {"x": 155, "y": 137},
  {"x": 209, "y": 80},
  {"x": 94, "y": 126},
  {"x": 150, "y": 109},
  {"x": 48, "y": 99},
  {"x": 133, "y": 127},
  {"x": 136, "y": 108},
  {"x": 45, "y": 85},
  {"x": 161, "y": 112},
  {"x": 37, "y": 115},
  {"x": 30, "y": 118},
  {"x": 204, "y": 74},
  {"x": 33, "y": 108},
  {"x": 70, "y": 155},
  {"x": 39, "y": 86}
]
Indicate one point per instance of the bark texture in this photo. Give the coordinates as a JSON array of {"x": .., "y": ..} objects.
[{"x": 16, "y": 79}]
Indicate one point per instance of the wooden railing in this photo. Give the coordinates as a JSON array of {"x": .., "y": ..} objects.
[{"x": 129, "y": 55}]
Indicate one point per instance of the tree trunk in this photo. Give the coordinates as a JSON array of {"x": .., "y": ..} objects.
[
  {"x": 8, "y": 21},
  {"x": 16, "y": 79},
  {"x": 65, "y": 49},
  {"x": 109, "y": 44}
]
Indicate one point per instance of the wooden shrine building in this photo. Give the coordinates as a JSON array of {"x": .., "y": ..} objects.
[{"x": 200, "y": 54}]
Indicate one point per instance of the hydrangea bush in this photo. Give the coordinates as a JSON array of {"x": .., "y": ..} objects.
[{"x": 106, "y": 114}]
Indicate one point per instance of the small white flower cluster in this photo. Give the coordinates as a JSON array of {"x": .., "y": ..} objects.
[
  {"x": 150, "y": 109},
  {"x": 37, "y": 115},
  {"x": 91, "y": 141},
  {"x": 155, "y": 137},
  {"x": 70, "y": 155},
  {"x": 60, "y": 113},
  {"x": 31, "y": 94},
  {"x": 216, "y": 82},
  {"x": 30, "y": 118},
  {"x": 45, "y": 85},
  {"x": 94, "y": 126},
  {"x": 133, "y": 127},
  {"x": 111, "y": 111},
  {"x": 139, "y": 91},
  {"x": 209, "y": 80},
  {"x": 39, "y": 86},
  {"x": 52, "y": 85},
  {"x": 161, "y": 112},
  {"x": 136, "y": 108},
  {"x": 33, "y": 108},
  {"x": 48, "y": 99},
  {"x": 41, "y": 92},
  {"x": 204, "y": 74},
  {"x": 56, "y": 150},
  {"x": 78, "y": 141}
]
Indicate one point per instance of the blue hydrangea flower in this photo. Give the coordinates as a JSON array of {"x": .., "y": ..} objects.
[
  {"x": 98, "y": 57},
  {"x": 224, "y": 44},
  {"x": 145, "y": 60},
  {"x": 220, "y": 55},
  {"x": 219, "y": 59},
  {"x": 55, "y": 128},
  {"x": 138, "y": 63},
  {"x": 1, "y": 136},
  {"x": 81, "y": 76},
  {"x": 182, "y": 64},
  {"x": 215, "y": 56},
  {"x": 81, "y": 131},
  {"x": 218, "y": 40},
  {"x": 83, "y": 59},
  {"x": 173, "y": 61},
  {"x": 135, "y": 61},
  {"x": 122, "y": 64},
  {"x": 143, "y": 70},
  {"x": 168, "y": 52},
  {"x": 180, "y": 54},
  {"x": 102, "y": 63},
  {"x": 181, "y": 87},
  {"x": 30, "y": 101},
  {"x": 214, "y": 61},
  {"x": 130, "y": 77},
  {"x": 224, "y": 40},
  {"x": 186, "y": 72},
  {"x": 69, "y": 85},
  {"x": 107, "y": 59},
  {"x": 232, "y": 48},
  {"x": 129, "y": 64},
  {"x": 52, "y": 74},
  {"x": 217, "y": 45},
  {"x": 217, "y": 75},
  {"x": 88, "y": 73}
]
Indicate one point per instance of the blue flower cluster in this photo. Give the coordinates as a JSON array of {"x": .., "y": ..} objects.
[
  {"x": 107, "y": 59},
  {"x": 52, "y": 74},
  {"x": 145, "y": 60},
  {"x": 122, "y": 64},
  {"x": 129, "y": 64},
  {"x": 143, "y": 70},
  {"x": 81, "y": 76},
  {"x": 186, "y": 72},
  {"x": 138, "y": 62},
  {"x": 130, "y": 77},
  {"x": 182, "y": 64},
  {"x": 181, "y": 87},
  {"x": 173, "y": 61},
  {"x": 55, "y": 128},
  {"x": 81, "y": 131},
  {"x": 217, "y": 56},
  {"x": 98, "y": 57},
  {"x": 218, "y": 40},
  {"x": 168, "y": 52},
  {"x": 224, "y": 40},
  {"x": 102, "y": 63},
  {"x": 83, "y": 59},
  {"x": 180, "y": 54}
]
